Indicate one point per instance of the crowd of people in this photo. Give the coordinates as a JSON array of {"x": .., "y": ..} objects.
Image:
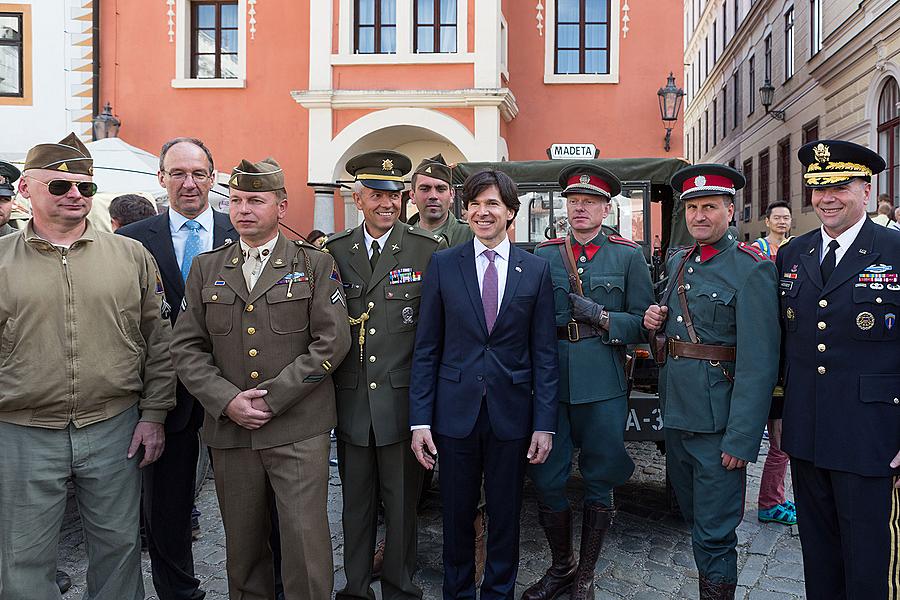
[{"x": 434, "y": 342}]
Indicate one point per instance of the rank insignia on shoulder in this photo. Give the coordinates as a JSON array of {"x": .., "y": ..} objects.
[
  {"x": 404, "y": 275},
  {"x": 552, "y": 242},
  {"x": 165, "y": 309},
  {"x": 337, "y": 296},
  {"x": 326, "y": 365},
  {"x": 183, "y": 304},
  {"x": 618, "y": 239}
]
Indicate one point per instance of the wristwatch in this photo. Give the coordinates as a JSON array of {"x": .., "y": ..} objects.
[{"x": 604, "y": 319}]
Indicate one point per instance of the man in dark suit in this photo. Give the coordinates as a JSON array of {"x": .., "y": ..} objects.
[
  {"x": 174, "y": 238},
  {"x": 484, "y": 384},
  {"x": 839, "y": 287}
]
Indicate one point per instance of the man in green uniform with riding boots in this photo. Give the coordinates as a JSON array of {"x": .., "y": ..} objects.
[
  {"x": 718, "y": 319},
  {"x": 601, "y": 286}
]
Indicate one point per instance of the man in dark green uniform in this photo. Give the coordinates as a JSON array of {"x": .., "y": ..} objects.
[
  {"x": 432, "y": 193},
  {"x": 719, "y": 315},
  {"x": 381, "y": 263},
  {"x": 595, "y": 318}
]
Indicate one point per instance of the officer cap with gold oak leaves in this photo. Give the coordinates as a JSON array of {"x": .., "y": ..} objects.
[
  {"x": 263, "y": 176},
  {"x": 380, "y": 169},
  {"x": 69, "y": 155},
  {"x": 827, "y": 163}
]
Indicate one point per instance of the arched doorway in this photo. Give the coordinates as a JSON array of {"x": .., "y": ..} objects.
[{"x": 889, "y": 140}]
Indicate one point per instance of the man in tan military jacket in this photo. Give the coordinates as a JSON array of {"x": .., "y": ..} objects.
[
  {"x": 382, "y": 262},
  {"x": 263, "y": 327}
]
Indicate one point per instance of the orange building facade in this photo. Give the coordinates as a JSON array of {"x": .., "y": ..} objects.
[{"x": 313, "y": 82}]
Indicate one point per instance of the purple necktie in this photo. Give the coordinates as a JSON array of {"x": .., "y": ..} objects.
[{"x": 489, "y": 290}]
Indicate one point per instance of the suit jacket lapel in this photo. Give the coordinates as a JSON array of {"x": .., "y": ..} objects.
[
  {"x": 359, "y": 257},
  {"x": 388, "y": 259},
  {"x": 232, "y": 273},
  {"x": 809, "y": 258},
  {"x": 470, "y": 278},
  {"x": 275, "y": 268},
  {"x": 160, "y": 243},
  {"x": 513, "y": 276},
  {"x": 223, "y": 230},
  {"x": 858, "y": 256}
]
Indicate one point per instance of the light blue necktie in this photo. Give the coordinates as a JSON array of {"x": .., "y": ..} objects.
[{"x": 192, "y": 247}]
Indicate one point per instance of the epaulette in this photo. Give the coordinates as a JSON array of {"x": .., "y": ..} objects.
[
  {"x": 227, "y": 244},
  {"x": 306, "y": 245},
  {"x": 553, "y": 242},
  {"x": 338, "y": 235},
  {"x": 752, "y": 251},
  {"x": 786, "y": 240},
  {"x": 424, "y": 233},
  {"x": 618, "y": 239}
]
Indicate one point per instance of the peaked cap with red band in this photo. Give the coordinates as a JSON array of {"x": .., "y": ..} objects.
[
  {"x": 586, "y": 178},
  {"x": 707, "y": 180}
]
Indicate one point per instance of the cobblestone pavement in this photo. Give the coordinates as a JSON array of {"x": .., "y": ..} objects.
[{"x": 647, "y": 554}]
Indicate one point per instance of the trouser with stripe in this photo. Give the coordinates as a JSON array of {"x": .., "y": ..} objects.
[{"x": 849, "y": 532}]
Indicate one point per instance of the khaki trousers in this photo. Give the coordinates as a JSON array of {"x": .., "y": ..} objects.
[
  {"x": 297, "y": 474},
  {"x": 35, "y": 464}
]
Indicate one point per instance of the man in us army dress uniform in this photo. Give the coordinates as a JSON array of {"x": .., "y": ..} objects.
[
  {"x": 262, "y": 329},
  {"x": 719, "y": 315},
  {"x": 839, "y": 287},
  {"x": 594, "y": 321},
  {"x": 381, "y": 263}
]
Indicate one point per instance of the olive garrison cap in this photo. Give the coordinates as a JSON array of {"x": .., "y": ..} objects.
[
  {"x": 8, "y": 175},
  {"x": 380, "y": 169},
  {"x": 263, "y": 176},
  {"x": 701, "y": 180},
  {"x": 435, "y": 167},
  {"x": 584, "y": 178},
  {"x": 834, "y": 162},
  {"x": 69, "y": 155}
]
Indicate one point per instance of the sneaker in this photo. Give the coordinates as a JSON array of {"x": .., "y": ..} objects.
[{"x": 780, "y": 513}]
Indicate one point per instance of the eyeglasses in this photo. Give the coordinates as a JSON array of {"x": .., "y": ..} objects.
[
  {"x": 181, "y": 176},
  {"x": 61, "y": 187}
]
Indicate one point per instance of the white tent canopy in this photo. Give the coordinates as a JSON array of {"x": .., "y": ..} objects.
[{"x": 120, "y": 168}]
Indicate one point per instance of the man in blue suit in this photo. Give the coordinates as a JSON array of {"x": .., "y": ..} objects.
[
  {"x": 190, "y": 226},
  {"x": 483, "y": 389}
]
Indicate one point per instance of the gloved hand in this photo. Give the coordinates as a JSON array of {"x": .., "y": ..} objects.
[{"x": 585, "y": 310}]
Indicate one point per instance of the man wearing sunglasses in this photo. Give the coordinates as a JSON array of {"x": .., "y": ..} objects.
[
  {"x": 190, "y": 226},
  {"x": 86, "y": 378}
]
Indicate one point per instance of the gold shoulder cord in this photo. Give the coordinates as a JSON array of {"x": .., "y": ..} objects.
[
  {"x": 310, "y": 277},
  {"x": 361, "y": 321}
]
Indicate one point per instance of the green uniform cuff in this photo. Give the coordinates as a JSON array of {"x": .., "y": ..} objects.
[{"x": 154, "y": 416}]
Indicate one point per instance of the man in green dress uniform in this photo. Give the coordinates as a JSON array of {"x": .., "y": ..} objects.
[
  {"x": 719, "y": 314},
  {"x": 381, "y": 263},
  {"x": 432, "y": 193},
  {"x": 592, "y": 330}
]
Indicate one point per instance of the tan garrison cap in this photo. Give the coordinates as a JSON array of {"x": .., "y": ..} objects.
[
  {"x": 263, "y": 176},
  {"x": 435, "y": 167},
  {"x": 69, "y": 155}
]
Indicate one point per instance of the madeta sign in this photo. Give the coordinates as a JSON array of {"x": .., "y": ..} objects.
[{"x": 569, "y": 151}]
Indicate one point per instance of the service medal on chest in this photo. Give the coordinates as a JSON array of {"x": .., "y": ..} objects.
[{"x": 865, "y": 321}]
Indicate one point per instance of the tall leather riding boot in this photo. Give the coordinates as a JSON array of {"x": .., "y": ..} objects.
[
  {"x": 559, "y": 577},
  {"x": 716, "y": 591},
  {"x": 596, "y": 521}
]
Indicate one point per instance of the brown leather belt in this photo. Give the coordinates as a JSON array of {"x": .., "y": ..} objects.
[
  {"x": 701, "y": 351},
  {"x": 574, "y": 331}
]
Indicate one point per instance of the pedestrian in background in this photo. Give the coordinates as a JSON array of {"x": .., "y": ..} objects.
[
  {"x": 129, "y": 208},
  {"x": 773, "y": 507},
  {"x": 8, "y": 176},
  {"x": 87, "y": 382}
]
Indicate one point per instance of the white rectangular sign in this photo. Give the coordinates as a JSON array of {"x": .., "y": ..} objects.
[{"x": 570, "y": 151}]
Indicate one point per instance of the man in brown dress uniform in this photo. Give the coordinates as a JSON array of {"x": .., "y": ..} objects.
[{"x": 263, "y": 327}]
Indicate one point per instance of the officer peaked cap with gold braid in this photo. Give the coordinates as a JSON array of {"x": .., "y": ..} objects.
[
  {"x": 263, "y": 176},
  {"x": 69, "y": 155},
  {"x": 828, "y": 163},
  {"x": 380, "y": 169}
]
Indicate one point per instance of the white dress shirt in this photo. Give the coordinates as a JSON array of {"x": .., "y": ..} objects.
[
  {"x": 381, "y": 240},
  {"x": 501, "y": 262},
  {"x": 180, "y": 233},
  {"x": 845, "y": 240}
]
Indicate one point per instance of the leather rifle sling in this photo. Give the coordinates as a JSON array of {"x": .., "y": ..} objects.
[
  {"x": 568, "y": 258},
  {"x": 664, "y": 300},
  {"x": 686, "y": 314}
]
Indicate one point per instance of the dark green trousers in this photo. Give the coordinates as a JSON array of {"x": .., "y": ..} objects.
[
  {"x": 392, "y": 474},
  {"x": 711, "y": 499},
  {"x": 597, "y": 428}
]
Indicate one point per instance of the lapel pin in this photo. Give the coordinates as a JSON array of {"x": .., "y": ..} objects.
[
  {"x": 227, "y": 241},
  {"x": 811, "y": 250},
  {"x": 862, "y": 251},
  {"x": 356, "y": 246},
  {"x": 395, "y": 247},
  {"x": 518, "y": 269},
  {"x": 234, "y": 260}
]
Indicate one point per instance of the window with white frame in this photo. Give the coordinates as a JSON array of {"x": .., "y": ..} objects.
[
  {"x": 582, "y": 37},
  {"x": 435, "y": 26},
  {"x": 789, "y": 43},
  {"x": 815, "y": 26},
  {"x": 210, "y": 44}
]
